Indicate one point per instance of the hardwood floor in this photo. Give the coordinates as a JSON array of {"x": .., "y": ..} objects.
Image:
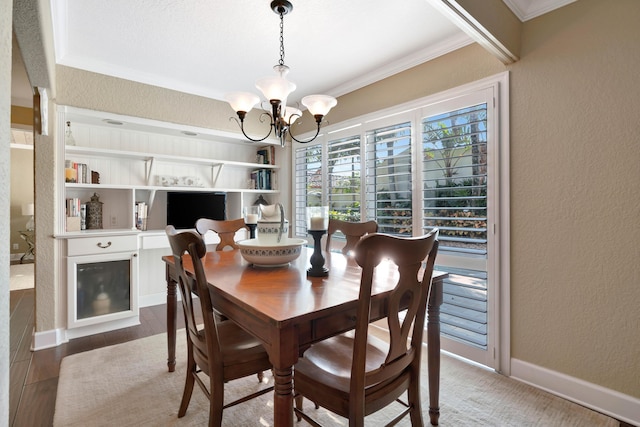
[{"x": 34, "y": 375}]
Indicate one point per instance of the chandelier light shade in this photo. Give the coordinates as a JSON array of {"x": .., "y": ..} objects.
[
  {"x": 242, "y": 101},
  {"x": 319, "y": 105},
  {"x": 276, "y": 89}
]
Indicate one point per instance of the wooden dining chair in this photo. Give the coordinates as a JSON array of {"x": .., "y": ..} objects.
[
  {"x": 353, "y": 232},
  {"x": 226, "y": 230},
  {"x": 221, "y": 350},
  {"x": 356, "y": 374}
]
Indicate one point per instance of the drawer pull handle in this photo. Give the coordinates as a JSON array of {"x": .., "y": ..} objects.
[{"x": 100, "y": 245}]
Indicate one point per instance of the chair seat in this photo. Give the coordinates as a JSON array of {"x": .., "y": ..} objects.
[
  {"x": 324, "y": 372},
  {"x": 241, "y": 351},
  {"x": 238, "y": 345}
]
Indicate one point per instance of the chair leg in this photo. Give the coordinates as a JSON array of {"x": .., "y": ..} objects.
[
  {"x": 216, "y": 404},
  {"x": 188, "y": 387},
  {"x": 413, "y": 396},
  {"x": 260, "y": 376},
  {"x": 298, "y": 400}
]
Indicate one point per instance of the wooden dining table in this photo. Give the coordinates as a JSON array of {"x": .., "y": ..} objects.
[{"x": 288, "y": 311}]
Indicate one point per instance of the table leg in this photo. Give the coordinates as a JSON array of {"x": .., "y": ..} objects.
[
  {"x": 283, "y": 397},
  {"x": 172, "y": 301},
  {"x": 433, "y": 350}
]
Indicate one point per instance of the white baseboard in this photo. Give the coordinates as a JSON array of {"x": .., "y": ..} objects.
[
  {"x": 609, "y": 402},
  {"x": 48, "y": 339},
  {"x": 56, "y": 337},
  {"x": 99, "y": 328}
]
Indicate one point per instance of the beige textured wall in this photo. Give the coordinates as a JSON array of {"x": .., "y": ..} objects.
[
  {"x": 498, "y": 19},
  {"x": 32, "y": 26},
  {"x": 94, "y": 91},
  {"x": 575, "y": 201},
  {"x": 462, "y": 66}
]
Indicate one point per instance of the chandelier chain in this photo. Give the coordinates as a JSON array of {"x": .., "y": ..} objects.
[{"x": 281, "y": 62}]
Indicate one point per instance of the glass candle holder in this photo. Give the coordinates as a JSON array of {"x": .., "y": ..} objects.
[{"x": 317, "y": 218}]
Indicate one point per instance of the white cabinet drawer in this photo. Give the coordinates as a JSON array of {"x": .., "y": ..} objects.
[
  {"x": 156, "y": 241},
  {"x": 101, "y": 245}
]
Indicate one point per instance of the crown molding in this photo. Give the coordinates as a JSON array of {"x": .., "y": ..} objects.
[{"x": 529, "y": 9}]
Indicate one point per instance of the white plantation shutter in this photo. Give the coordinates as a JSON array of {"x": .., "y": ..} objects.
[
  {"x": 308, "y": 183},
  {"x": 388, "y": 192},
  {"x": 344, "y": 178},
  {"x": 455, "y": 178},
  {"x": 454, "y": 185}
]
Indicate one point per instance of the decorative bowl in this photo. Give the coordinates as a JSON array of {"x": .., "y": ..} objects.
[{"x": 262, "y": 254}]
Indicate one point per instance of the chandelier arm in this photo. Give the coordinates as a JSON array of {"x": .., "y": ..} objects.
[
  {"x": 241, "y": 125},
  {"x": 308, "y": 140}
]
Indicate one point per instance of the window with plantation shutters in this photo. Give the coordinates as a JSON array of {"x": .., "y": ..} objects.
[
  {"x": 388, "y": 188},
  {"x": 439, "y": 161},
  {"x": 344, "y": 179},
  {"x": 454, "y": 181},
  {"x": 308, "y": 183},
  {"x": 454, "y": 186}
]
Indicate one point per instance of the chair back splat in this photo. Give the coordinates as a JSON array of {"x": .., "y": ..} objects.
[
  {"x": 226, "y": 230},
  {"x": 353, "y": 232},
  {"x": 221, "y": 350},
  {"x": 356, "y": 374}
]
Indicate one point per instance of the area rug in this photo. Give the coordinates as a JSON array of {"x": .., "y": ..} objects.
[
  {"x": 20, "y": 276},
  {"x": 128, "y": 385}
]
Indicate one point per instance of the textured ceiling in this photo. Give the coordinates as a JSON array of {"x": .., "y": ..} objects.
[{"x": 210, "y": 47}]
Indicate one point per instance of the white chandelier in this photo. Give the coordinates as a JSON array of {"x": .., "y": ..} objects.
[{"x": 276, "y": 89}]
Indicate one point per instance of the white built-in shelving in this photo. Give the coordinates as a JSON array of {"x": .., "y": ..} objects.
[{"x": 135, "y": 156}]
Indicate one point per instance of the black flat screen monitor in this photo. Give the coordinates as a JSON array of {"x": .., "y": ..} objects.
[{"x": 185, "y": 208}]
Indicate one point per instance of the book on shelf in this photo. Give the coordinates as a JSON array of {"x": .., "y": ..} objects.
[
  {"x": 264, "y": 179},
  {"x": 266, "y": 155},
  {"x": 73, "y": 208},
  {"x": 141, "y": 215},
  {"x": 76, "y": 172},
  {"x": 83, "y": 216}
]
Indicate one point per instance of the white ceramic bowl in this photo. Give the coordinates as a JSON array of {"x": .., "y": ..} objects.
[{"x": 263, "y": 254}]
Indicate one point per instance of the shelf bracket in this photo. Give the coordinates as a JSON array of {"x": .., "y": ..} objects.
[
  {"x": 152, "y": 198},
  {"x": 148, "y": 169},
  {"x": 215, "y": 174}
]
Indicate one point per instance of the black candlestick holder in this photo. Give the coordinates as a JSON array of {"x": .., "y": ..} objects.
[
  {"x": 252, "y": 230},
  {"x": 317, "y": 260}
]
